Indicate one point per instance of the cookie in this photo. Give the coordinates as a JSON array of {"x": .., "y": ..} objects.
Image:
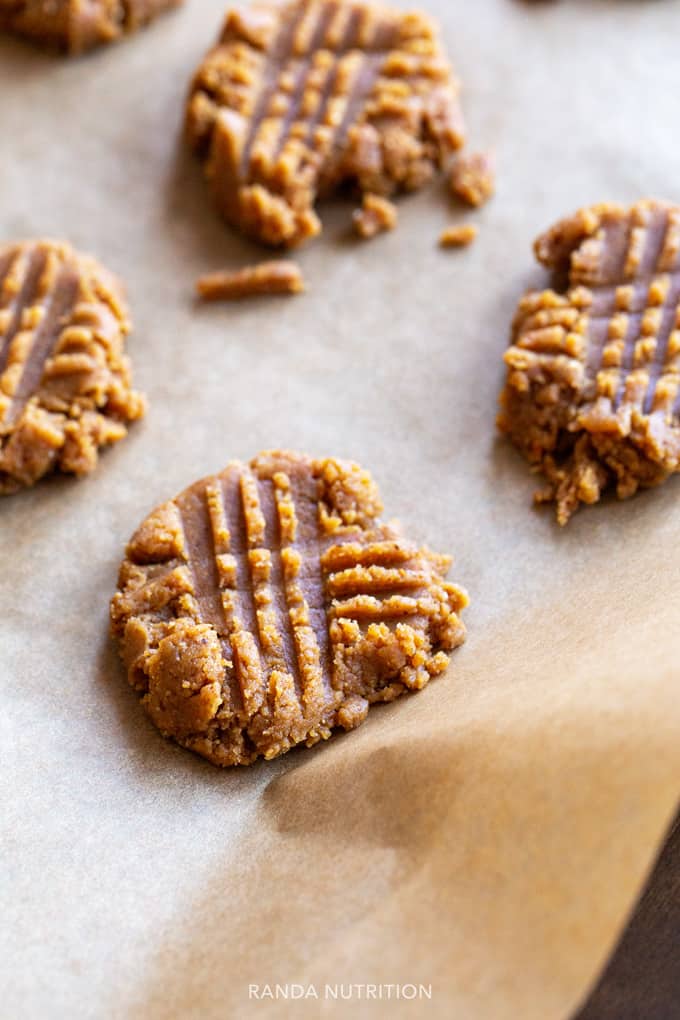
[
  {"x": 269, "y": 604},
  {"x": 592, "y": 397},
  {"x": 65, "y": 387},
  {"x": 300, "y": 97},
  {"x": 78, "y": 25}
]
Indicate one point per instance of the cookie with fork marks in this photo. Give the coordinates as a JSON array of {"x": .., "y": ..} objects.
[
  {"x": 268, "y": 605},
  {"x": 301, "y": 97},
  {"x": 592, "y": 397},
  {"x": 65, "y": 379}
]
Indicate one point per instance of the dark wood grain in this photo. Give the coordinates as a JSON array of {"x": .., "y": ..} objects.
[{"x": 642, "y": 979}]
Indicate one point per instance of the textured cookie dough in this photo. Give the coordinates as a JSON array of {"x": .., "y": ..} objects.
[
  {"x": 376, "y": 216},
  {"x": 592, "y": 397},
  {"x": 459, "y": 236},
  {"x": 269, "y": 604},
  {"x": 65, "y": 385},
  {"x": 473, "y": 177},
  {"x": 277, "y": 277},
  {"x": 78, "y": 25},
  {"x": 300, "y": 97}
]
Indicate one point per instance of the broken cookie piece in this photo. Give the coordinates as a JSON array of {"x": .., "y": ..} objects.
[
  {"x": 276, "y": 277},
  {"x": 473, "y": 177},
  {"x": 459, "y": 236},
  {"x": 65, "y": 382},
  {"x": 376, "y": 216},
  {"x": 269, "y": 604},
  {"x": 300, "y": 97},
  {"x": 592, "y": 397},
  {"x": 78, "y": 25}
]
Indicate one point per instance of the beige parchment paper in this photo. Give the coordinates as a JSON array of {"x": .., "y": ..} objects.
[{"x": 487, "y": 837}]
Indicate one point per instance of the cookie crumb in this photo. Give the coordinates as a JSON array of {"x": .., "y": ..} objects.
[
  {"x": 459, "y": 236},
  {"x": 473, "y": 178},
  {"x": 274, "y": 277},
  {"x": 376, "y": 216}
]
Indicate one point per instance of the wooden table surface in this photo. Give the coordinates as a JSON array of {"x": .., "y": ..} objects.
[{"x": 642, "y": 979}]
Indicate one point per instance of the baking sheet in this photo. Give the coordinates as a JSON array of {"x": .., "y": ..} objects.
[{"x": 486, "y": 837}]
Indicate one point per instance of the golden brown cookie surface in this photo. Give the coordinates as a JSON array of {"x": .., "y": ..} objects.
[
  {"x": 268, "y": 604},
  {"x": 278, "y": 277},
  {"x": 78, "y": 25},
  {"x": 459, "y": 235},
  {"x": 65, "y": 386},
  {"x": 473, "y": 178},
  {"x": 592, "y": 396},
  {"x": 302, "y": 96},
  {"x": 377, "y": 215}
]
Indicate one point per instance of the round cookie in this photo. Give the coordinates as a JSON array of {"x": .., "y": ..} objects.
[
  {"x": 269, "y": 604},
  {"x": 592, "y": 397},
  {"x": 300, "y": 97},
  {"x": 65, "y": 387}
]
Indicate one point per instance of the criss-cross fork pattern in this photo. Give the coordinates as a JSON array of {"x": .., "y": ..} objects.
[
  {"x": 275, "y": 107},
  {"x": 618, "y": 323},
  {"x": 38, "y": 290},
  {"x": 292, "y": 594},
  {"x": 592, "y": 396},
  {"x": 62, "y": 330}
]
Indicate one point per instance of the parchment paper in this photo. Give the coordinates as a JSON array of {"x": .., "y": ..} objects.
[{"x": 486, "y": 837}]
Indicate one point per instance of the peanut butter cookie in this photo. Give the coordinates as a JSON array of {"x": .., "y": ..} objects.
[
  {"x": 302, "y": 96},
  {"x": 592, "y": 397},
  {"x": 64, "y": 378},
  {"x": 269, "y": 604},
  {"x": 78, "y": 25}
]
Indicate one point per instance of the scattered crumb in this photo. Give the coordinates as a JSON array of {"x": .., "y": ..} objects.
[
  {"x": 375, "y": 216},
  {"x": 473, "y": 178},
  {"x": 459, "y": 236},
  {"x": 275, "y": 277}
]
